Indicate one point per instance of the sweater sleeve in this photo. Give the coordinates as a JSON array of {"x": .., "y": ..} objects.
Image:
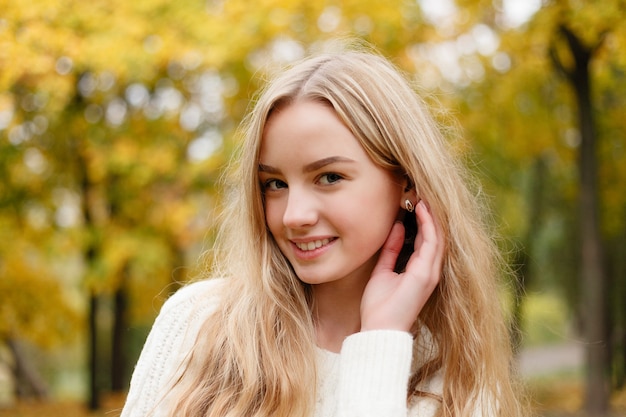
[
  {"x": 374, "y": 374},
  {"x": 166, "y": 349}
]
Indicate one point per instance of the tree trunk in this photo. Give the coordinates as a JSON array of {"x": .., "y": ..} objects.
[
  {"x": 594, "y": 280},
  {"x": 28, "y": 381},
  {"x": 617, "y": 270},
  {"x": 94, "y": 389},
  {"x": 119, "y": 359},
  {"x": 90, "y": 255}
]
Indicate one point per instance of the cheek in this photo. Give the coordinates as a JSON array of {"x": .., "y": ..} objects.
[
  {"x": 373, "y": 213},
  {"x": 381, "y": 200},
  {"x": 273, "y": 216}
]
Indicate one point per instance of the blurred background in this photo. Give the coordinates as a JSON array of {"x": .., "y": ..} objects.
[{"x": 117, "y": 118}]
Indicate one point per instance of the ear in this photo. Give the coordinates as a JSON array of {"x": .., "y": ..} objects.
[{"x": 409, "y": 193}]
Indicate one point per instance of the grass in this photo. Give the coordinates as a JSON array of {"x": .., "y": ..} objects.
[{"x": 111, "y": 407}]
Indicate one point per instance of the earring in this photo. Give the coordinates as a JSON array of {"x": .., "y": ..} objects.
[{"x": 409, "y": 206}]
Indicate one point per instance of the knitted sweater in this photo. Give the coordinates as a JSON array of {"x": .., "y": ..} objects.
[{"x": 369, "y": 377}]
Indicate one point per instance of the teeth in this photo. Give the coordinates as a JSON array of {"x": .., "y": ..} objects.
[{"x": 312, "y": 245}]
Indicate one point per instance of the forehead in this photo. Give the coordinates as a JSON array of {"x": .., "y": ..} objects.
[{"x": 307, "y": 128}]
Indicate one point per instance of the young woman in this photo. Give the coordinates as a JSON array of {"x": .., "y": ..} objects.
[{"x": 356, "y": 277}]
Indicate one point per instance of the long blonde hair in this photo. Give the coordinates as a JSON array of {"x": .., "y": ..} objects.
[{"x": 256, "y": 355}]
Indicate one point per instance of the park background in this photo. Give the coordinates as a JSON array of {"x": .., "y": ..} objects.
[{"x": 117, "y": 118}]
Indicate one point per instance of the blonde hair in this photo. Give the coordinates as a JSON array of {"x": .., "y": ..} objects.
[{"x": 255, "y": 356}]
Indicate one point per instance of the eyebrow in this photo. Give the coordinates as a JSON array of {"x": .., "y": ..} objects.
[{"x": 313, "y": 166}]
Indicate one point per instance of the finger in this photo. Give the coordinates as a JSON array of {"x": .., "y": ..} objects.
[
  {"x": 438, "y": 236},
  {"x": 426, "y": 241},
  {"x": 391, "y": 249},
  {"x": 427, "y": 258}
]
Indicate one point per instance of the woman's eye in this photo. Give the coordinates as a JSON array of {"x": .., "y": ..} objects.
[
  {"x": 330, "y": 178},
  {"x": 274, "y": 185}
]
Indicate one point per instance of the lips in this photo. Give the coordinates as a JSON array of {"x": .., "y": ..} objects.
[{"x": 312, "y": 245}]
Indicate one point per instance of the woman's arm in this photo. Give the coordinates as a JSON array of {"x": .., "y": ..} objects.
[{"x": 374, "y": 374}]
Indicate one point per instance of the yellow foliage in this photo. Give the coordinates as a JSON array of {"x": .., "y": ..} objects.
[
  {"x": 141, "y": 183},
  {"x": 33, "y": 303}
]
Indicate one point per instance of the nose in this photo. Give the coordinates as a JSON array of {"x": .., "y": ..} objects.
[{"x": 301, "y": 210}]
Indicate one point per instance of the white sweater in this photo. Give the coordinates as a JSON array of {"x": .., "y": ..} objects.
[{"x": 368, "y": 378}]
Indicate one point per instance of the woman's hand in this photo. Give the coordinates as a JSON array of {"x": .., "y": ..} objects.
[{"x": 393, "y": 301}]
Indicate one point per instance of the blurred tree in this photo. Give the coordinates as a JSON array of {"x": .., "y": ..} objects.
[
  {"x": 96, "y": 134},
  {"x": 520, "y": 116},
  {"x": 21, "y": 303},
  {"x": 576, "y": 46},
  {"x": 594, "y": 278}
]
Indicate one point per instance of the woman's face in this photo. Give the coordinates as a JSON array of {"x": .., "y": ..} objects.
[{"x": 328, "y": 206}]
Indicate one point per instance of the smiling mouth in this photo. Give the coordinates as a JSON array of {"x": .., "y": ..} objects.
[{"x": 309, "y": 246}]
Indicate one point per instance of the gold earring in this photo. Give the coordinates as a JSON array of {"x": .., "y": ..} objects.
[{"x": 409, "y": 206}]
